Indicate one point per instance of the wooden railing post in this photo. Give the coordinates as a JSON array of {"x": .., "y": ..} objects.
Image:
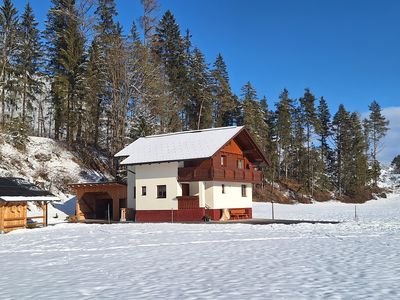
[
  {"x": 44, "y": 207},
  {"x": 1, "y": 218}
]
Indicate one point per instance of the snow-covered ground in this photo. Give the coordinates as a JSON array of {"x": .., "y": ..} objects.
[{"x": 351, "y": 260}]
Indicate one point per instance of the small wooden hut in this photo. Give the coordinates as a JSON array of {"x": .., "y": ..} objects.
[
  {"x": 101, "y": 201},
  {"x": 15, "y": 193}
]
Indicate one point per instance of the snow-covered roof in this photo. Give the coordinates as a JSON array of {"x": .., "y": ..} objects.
[
  {"x": 177, "y": 146},
  {"x": 14, "y": 189}
]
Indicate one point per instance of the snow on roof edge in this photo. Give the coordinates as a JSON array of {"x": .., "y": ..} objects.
[
  {"x": 161, "y": 161},
  {"x": 27, "y": 198},
  {"x": 191, "y": 131},
  {"x": 177, "y": 146},
  {"x": 124, "y": 152}
]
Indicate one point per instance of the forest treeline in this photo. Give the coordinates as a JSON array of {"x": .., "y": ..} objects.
[{"x": 84, "y": 80}]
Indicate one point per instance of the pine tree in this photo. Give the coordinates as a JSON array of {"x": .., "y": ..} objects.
[
  {"x": 93, "y": 96},
  {"x": 309, "y": 118},
  {"x": 272, "y": 147},
  {"x": 323, "y": 130},
  {"x": 284, "y": 113},
  {"x": 67, "y": 52},
  {"x": 171, "y": 49},
  {"x": 29, "y": 60},
  {"x": 265, "y": 115},
  {"x": 377, "y": 129},
  {"x": 249, "y": 99},
  {"x": 200, "y": 93},
  {"x": 342, "y": 140},
  {"x": 357, "y": 167},
  {"x": 8, "y": 46},
  {"x": 396, "y": 164},
  {"x": 297, "y": 160},
  {"x": 105, "y": 14},
  {"x": 223, "y": 104}
]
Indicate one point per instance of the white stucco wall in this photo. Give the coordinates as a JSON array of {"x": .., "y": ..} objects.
[
  {"x": 151, "y": 176},
  {"x": 131, "y": 187},
  {"x": 232, "y": 198},
  {"x": 209, "y": 192}
]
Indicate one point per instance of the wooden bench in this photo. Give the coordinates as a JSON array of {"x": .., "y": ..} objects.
[{"x": 238, "y": 213}]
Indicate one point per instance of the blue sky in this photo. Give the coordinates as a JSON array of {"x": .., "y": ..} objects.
[{"x": 345, "y": 50}]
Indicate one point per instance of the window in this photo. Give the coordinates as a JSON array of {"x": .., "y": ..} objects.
[
  {"x": 243, "y": 190},
  {"x": 223, "y": 189},
  {"x": 223, "y": 160},
  {"x": 161, "y": 191},
  {"x": 144, "y": 191},
  {"x": 134, "y": 192},
  {"x": 240, "y": 164}
]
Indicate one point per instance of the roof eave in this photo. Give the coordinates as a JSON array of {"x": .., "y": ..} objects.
[{"x": 163, "y": 161}]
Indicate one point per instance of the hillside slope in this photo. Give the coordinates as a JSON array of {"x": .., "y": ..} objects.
[{"x": 51, "y": 166}]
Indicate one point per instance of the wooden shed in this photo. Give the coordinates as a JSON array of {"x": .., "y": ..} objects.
[
  {"x": 100, "y": 201},
  {"x": 15, "y": 193}
]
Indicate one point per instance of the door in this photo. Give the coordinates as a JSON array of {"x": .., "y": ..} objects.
[{"x": 185, "y": 189}]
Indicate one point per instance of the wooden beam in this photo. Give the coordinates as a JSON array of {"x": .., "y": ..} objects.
[
  {"x": 1, "y": 218},
  {"x": 44, "y": 207}
]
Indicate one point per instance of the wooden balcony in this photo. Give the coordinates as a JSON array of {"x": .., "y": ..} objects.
[
  {"x": 188, "y": 202},
  {"x": 220, "y": 174}
]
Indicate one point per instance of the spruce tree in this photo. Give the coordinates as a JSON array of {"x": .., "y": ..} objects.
[
  {"x": 66, "y": 51},
  {"x": 396, "y": 164},
  {"x": 93, "y": 96},
  {"x": 284, "y": 118},
  {"x": 223, "y": 104},
  {"x": 252, "y": 114},
  {"x": 249, "y": 99},
  {"x": 309, "y": 118},
  {"x": 29, "y": 60},
  {"x": 342, "y": 139},
  {"x": 377, "y": 129},
  {"x": 357, "y": 167},
  {"x": 200, "y": 109},
  {"x": 298, "y": 153},
  {"x": 323, "y": 130},
  {"x": 171, "y": 49},
  {"x": 8, "y": 46}
]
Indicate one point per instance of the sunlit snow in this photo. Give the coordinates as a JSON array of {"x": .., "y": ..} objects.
[{"x": 351, "y": 260}]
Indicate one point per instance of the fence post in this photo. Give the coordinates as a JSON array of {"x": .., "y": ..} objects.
[
  {"x": 355, "y": 213},
  {"x": 108, "y": 213},
  {"x": 272, "y": 210}
]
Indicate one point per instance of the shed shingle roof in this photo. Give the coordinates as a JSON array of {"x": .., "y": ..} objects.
[{"x": 18, "y": 189}]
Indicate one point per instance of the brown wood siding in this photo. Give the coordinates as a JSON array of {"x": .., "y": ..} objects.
[
  {"x": 211, "y": 169},
  {"x": 188, "y": 202},
  {"x": 13, "y": 216}
]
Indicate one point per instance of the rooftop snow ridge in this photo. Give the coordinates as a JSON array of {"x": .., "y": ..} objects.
[
  {"x": 177, "y": 146},
  {"x": 190, "y": 131}
]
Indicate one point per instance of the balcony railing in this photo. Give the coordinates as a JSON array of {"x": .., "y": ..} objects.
[
  {"x": 198, "y": 174},
  {"x": 188, "y": 202}
]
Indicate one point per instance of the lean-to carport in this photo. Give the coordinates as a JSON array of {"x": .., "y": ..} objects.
[{"x": 97, "y": 201}]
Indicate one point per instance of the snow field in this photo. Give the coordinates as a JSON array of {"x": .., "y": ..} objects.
[{"x": 351, "y": 260}]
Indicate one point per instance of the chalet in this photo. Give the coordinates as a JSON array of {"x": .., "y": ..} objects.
[
  {"x": 189, "y": 175},
  {"x": 15, "y": 193}
]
